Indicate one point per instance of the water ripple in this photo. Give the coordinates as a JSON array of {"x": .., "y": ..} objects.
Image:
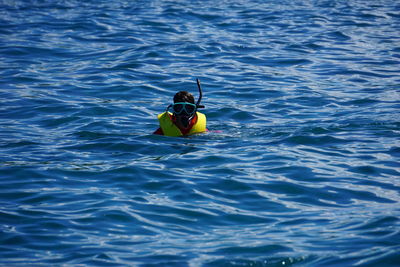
[{"x": 299, "y": 167}]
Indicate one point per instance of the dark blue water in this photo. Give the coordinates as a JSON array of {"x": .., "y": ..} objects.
[{"x": 301, "y": 165}]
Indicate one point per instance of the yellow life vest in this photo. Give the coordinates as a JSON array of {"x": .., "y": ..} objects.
[{"x": 170, "y": 129}]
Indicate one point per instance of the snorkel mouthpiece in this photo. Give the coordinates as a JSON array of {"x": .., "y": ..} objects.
[{"x": 185, "y": 120}]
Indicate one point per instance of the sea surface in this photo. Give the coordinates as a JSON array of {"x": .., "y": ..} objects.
[{"x": 300, "y": 166}]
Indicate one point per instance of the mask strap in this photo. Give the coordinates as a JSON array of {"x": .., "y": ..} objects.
[{"x": 169, "y": 106}]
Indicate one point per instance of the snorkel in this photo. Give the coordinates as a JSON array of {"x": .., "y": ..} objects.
[
  {"x": 184, "y": 119},
  {"x": 200, "y": 95},
  {"x": 197, "y": 104}
]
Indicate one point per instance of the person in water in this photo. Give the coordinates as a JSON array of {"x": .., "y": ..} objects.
[{"x": 184, "y": 119}]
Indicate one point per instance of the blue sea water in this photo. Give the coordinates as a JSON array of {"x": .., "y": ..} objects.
[{"x": 300, "y": 167}]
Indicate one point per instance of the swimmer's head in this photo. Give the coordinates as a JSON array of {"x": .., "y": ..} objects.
[{"x": 184, "y": 107}]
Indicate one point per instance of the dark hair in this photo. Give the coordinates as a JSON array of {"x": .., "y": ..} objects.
[{"x": 183, "y": 96}]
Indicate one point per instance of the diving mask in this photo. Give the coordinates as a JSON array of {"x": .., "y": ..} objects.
[{"x": 184, "y": 108}]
